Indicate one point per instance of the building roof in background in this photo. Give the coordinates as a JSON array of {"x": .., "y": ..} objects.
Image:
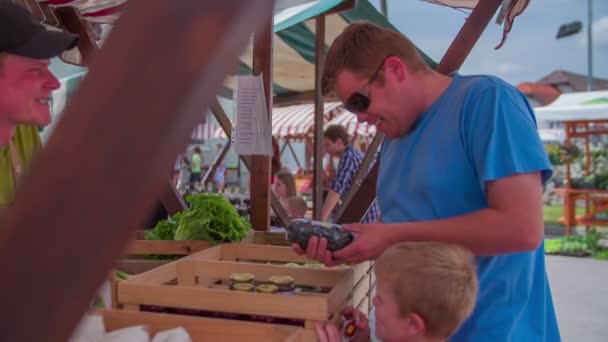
[
  {"x": 542, "y": 93},
  {"x": 577, "y": 82}
]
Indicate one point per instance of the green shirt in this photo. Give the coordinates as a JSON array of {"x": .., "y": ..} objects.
[
  {"x": 26, "y": 142},
  {"x": 196, "y": 163}
]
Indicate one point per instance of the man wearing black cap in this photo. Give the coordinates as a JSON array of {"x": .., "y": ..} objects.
[{"x": 26, "y": 84}]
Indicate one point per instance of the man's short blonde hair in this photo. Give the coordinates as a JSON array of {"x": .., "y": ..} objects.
[
  {"x": 437, "y": 281},
  {"x": 362, "y": 47}
]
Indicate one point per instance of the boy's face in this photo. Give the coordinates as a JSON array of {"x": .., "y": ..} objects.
[{"x": 389, "y": 325}]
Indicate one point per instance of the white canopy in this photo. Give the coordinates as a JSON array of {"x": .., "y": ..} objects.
[{"x": 591, "y": 105}]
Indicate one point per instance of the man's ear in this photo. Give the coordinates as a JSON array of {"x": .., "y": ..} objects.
[
  {"x": 414, "y": 325},
  {"x": 396, "y": 66}
]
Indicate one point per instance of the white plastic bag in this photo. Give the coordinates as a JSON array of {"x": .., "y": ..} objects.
[{"x": 178, "y": 334}]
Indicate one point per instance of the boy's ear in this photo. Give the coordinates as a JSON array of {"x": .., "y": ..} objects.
[{"x": 414, "y": 325}]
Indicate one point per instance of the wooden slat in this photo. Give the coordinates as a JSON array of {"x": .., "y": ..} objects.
[
  {"x": 142, "y": 247},
  {"x": 362, "y": 199},
  {"x": 259, "y": 184},
  {"x": 361, "y": 290},
  {"x": 137, "y": 266},
  {"x": 317, "y": 191},
  {"x": 341, "y": 293},
  {"x": 266, "y": 253},
  {"x": 201, "y": 329},
  {"x": 188, "y": 297},
  {"x": 223, "y": 270},
  {"x": 270, "y": 238},
  {"x": 167, "y": 272}
]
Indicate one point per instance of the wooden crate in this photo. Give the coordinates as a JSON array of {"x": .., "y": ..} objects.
[
  {"x": 198, "y": 282},
  {"x": 205, "y": 329}
]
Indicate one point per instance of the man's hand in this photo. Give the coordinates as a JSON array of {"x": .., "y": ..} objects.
[
  {"x": 370, "y": 241},
  {"x": 317, "y": 250}
]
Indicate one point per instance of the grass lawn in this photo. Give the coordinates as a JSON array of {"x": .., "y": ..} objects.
[{"x": 552, "y": 213}]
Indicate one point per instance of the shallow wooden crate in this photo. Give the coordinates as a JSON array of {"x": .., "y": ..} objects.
[
  {"x": 205, "y": 329},
  {"x": 198, "y": 282}
]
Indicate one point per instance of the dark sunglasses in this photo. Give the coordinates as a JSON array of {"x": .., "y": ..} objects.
[{"x": 359, "y": 102}]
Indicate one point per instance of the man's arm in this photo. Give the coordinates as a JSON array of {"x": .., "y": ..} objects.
[
  {"x": 513, "y": 222},
  {"x": 329, "y": 205}
]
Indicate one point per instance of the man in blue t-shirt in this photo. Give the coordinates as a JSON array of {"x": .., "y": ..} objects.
[{"x": 462, "y": 163}]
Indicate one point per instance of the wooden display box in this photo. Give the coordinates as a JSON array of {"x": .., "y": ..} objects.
[{"x": 199, "y": 282}]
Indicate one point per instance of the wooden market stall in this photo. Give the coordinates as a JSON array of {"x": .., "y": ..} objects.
[
  {"x": 584, "y": 116},
  {"x": 56, "y": 258}
]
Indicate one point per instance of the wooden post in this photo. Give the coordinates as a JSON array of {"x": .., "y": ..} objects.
[
  {"x": 451, "y": 61},
  {"x": 218, "y": 159},
  {"x": 293, "y": 153},
  {"x": 87, "y": 43},
  {"x": 57, "y": 258},
  {"x": 171, "y": 199},
  {"x": 260, "y": 165},
  {"x": 569, "y": 203},
  {"x": 317, "y": 192},
  {"x": 468, "y": 36},
  {"x": 226, "y": 125}
]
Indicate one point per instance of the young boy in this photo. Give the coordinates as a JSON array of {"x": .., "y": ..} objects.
[
  {"x": 424, "y": 291},
  {"x": 296, "y": 207}
]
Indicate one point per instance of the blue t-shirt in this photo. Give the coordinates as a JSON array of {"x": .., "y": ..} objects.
[{"x": 480, "y": 129}]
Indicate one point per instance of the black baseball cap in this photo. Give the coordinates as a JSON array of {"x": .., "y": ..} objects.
[{"x": 21, "y": 34}]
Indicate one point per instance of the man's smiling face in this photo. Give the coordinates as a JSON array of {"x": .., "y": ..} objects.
[{"x": 25, "y": 89}]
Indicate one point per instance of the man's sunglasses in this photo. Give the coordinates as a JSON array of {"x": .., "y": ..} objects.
[{"x": 359, "y": 101}]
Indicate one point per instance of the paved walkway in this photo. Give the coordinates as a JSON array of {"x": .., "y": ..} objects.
[{"x": 580, "y": 295}]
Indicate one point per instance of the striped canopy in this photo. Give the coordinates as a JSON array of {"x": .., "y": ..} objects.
[
  {"x": 297, "y": 122},
  {"x": 352, "y": 125},
  {"x": 290, "y": 122}
]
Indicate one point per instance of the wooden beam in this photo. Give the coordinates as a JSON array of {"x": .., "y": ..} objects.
[
  {"x": 451, "y": 61},
  {"x": 224, "y": 121},
  {"x": 467, "y": 37},
  {"x": 317, "y": 190},
  {"x": 296, "y": 98},
  {"x": 370, "y": 155},
  {"x": 221, "y": 117},
  {"x": 218, "y": 159},
  {"x": 293, "y": 153},
  {"x": 171, "y": 199},
  {"x": 81, "y": 227},
  {"x": 259, "y": 183},
  {"x": 73, "y": 22}
]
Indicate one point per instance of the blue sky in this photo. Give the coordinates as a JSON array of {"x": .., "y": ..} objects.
[{"x": 531, "y": 50}]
